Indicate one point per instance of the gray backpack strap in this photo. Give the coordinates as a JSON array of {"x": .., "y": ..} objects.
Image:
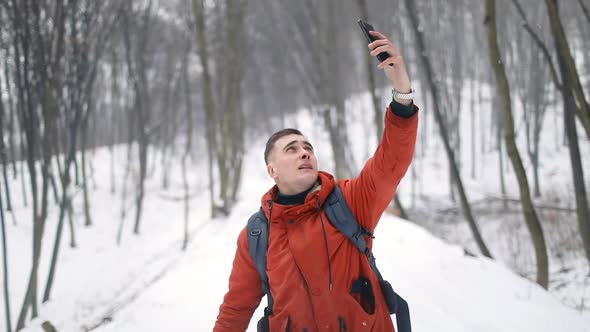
[
  {"x": 258, "y": 244},
  {"x": 342, "y": 218}
]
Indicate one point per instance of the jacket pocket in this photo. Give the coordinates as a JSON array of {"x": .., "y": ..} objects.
[
  {"x": 342, "y": 324},
  {"x": 351, "y": 315},
  {"x": 362, "y": 290}
]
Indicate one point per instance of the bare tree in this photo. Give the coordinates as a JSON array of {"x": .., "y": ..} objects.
[
  {"x": 222, "y": 93},
  {"x": 189, "y": 143},
  {"x": 2, "y": 221},
  {"x": 3, "y": 157},
  {"x": 138, "y": 75},
  {"x": 531, "y": 85},
  {"x": 34, "y": 55},
  {"x": 369, "y": 60},
  {"x": 5, "y": 45},
  {"x": 571, "y": 89},
  {"x": 5, "y": 265},
  {"x": 585, "y": 10},
  {"x": 530, "y": 214},
  {"x": 86, "y": 50},
  {"x": 436, "y": 95},
  {"x": 535, "y": 113}
]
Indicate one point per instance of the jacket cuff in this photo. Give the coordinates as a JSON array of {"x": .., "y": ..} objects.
[{"x": 401, "y": 110}]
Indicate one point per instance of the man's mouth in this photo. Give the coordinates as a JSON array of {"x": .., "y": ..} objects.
[{"x": 306, "y": 167}]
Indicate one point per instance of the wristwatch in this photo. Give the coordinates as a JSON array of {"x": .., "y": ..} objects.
[{"x": 402, "y": 96}]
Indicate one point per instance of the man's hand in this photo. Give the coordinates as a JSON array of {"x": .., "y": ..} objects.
[{"x": 394, "y": 66}]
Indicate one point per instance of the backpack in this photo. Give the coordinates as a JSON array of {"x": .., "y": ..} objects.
[{"x": 342, "y": 218}]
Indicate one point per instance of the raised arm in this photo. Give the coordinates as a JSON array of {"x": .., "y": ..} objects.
[{"x": 369, "y": 194}]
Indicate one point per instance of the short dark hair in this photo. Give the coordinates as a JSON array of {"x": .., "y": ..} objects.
[{"x": 275, "y": 137}]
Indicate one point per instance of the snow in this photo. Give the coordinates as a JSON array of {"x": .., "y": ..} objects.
[{"x": 149, "y": 284}]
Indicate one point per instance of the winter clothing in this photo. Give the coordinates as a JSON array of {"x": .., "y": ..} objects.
[{"x": 311, "y": 266}]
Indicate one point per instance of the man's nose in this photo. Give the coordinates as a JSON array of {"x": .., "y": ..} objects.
[{"x": 305, "y": 155}]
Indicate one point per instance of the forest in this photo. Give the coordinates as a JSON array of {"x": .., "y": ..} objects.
[{"x": 194, "y": 83}]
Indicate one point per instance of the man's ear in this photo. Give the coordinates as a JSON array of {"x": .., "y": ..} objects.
[{"x": 271, "y": 170}]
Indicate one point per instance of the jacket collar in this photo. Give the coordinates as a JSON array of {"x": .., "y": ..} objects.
[{"x": 314, "y": 200}]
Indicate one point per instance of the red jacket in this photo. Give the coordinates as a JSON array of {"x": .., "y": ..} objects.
[{"x": 299, "y": 247}]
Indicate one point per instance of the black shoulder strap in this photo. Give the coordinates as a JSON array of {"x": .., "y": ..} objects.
[
  {"x": 342, "y": 218},
  {"x": 258, "y": 244}
]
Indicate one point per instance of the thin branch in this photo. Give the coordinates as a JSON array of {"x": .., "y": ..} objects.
[
  {"x": 539, "y": 42},
  {"x": 585, "y": 10},
  {"x": 486, "y": 202}
]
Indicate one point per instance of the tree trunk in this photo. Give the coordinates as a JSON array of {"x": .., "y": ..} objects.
[
  {"x": 30, "y": 124},
  {"x": 124, "y": 191},
  {"x": 501, "y": 162},
  {"x": 369, "y": 60},
  {"x": 65, "y": 198},
  {"x": 328, "y": 44},
  {"x": 5, "y": 269},
  {"x": 11, "y": 110},
  {"x": 83, "y": 148},
  {"x": 473, "y": 137},
  {"x": 186, "y": 205},
  {"x": 52, "y": 180},
  {"x": 237, "y": 43},
  {"x": 432, "y": 86},
  {"x": 189, "y": 140},
  {"x": 115, "y": 96},
  {"x": 209, "y": 101},
  {"x": 23, "y": 180},
  {"x": 337, "y": 145},
  {"x": 530, "y": 214},
  {"x": 137, "y": 76},
  {"x": 71, "y": 224},
  {"x": 570, "y": 87},
  {"x": 537, "y": 79},
  {"x": 3, "y": 155}
]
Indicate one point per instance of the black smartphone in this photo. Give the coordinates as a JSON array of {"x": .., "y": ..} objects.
[{"x": 366, "y": 27}]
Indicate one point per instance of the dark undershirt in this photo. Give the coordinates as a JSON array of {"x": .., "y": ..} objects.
[{"x": 292, "y": 199}]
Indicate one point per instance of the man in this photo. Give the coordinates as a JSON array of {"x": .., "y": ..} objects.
[{"x": 311, "y": 266}]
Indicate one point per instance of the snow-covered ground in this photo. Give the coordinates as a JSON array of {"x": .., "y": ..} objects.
[{"x": 148, "y": 284}]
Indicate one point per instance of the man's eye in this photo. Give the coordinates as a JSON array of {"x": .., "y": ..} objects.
[
  {"x": 290, "y": 148},
  {"x": 309, "y": 149}
]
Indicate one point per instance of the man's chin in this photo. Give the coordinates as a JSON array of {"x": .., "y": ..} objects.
[{"x": 310, "y": 177}]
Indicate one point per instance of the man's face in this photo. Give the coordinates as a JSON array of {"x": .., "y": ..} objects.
[{"x": 293, "y": 164}]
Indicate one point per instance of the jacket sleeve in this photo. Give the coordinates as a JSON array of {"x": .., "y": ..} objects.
[
  {"x": 369, "y": 194},
  {"x": 244, "y": 294}
]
